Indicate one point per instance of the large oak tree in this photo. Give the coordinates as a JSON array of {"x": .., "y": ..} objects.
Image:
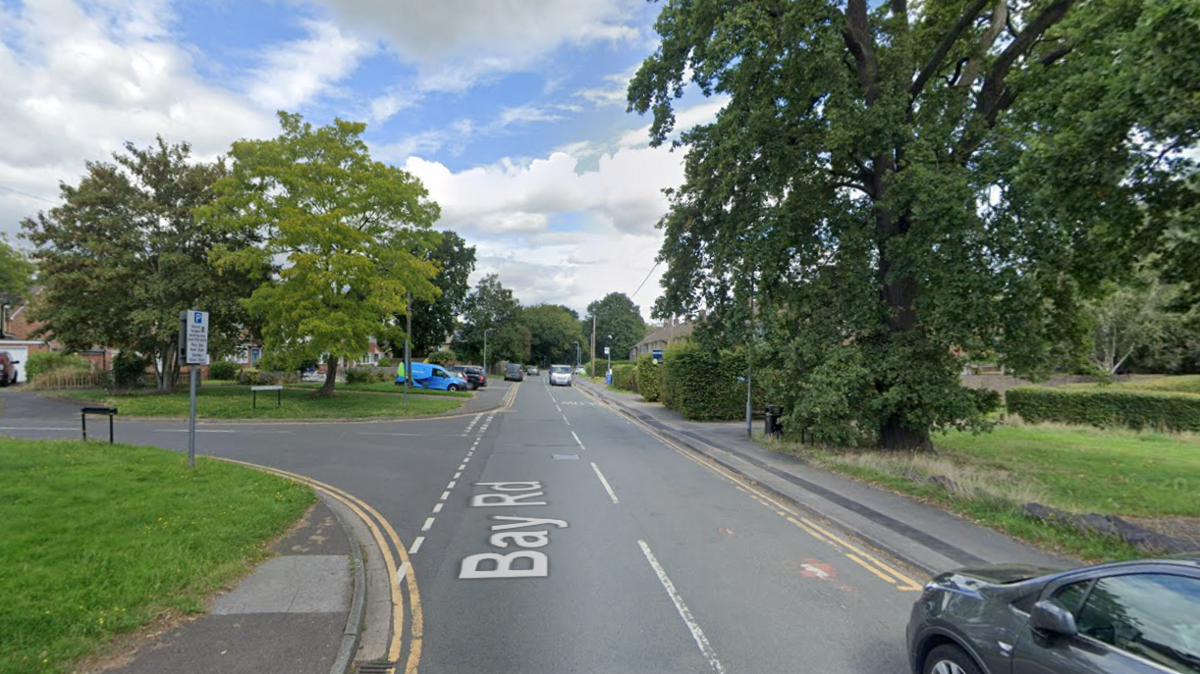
[{"x": 903, "y": 186}]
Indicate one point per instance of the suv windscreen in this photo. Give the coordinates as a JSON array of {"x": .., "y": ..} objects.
[{"x": 560, "y": 369}]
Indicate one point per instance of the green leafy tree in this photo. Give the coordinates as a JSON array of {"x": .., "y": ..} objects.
[
  {"x": 619, "y": 325},
  {"x": 16, "y": 272},
  {"x": 900, "y": 186},
  {"x": 491, "y": 306},
  {"x": 1129, "y": 319},
  {"x": 553, "y": 329},
  {"x": 434, "y": 321},
  {"x": 344, "y": 236},
  {"x": 124, "y": 255}
]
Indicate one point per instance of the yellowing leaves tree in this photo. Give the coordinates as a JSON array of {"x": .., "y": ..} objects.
[{"x": 343, "y": 235}]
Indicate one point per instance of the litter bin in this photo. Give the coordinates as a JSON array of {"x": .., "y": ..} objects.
[{"x": 773, "y": 425}]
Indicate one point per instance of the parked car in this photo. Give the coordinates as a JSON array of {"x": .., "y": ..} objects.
[
  {"x": 427, "y": 375},
  {"x": 472, "y": 374},
  {"x": 580, "y": 369},
  {"x": 560, "y": 375},
  {"x": 1128, "y": 617},
  {"x": 532, "y": 370},
  {"x": 8, "y": 370},
  {"x": 514, "y": 372}
]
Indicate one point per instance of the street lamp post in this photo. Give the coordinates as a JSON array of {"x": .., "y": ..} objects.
[
  {"x": 608, "y": 352},
  {"x": 576, "y": 355},
  {"x": 485, "y": 360}
]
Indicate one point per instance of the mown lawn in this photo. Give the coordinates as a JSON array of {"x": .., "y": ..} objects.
[
  {"x": 1176, "y": 384},
  {"x": 101, "y": 540},
  {"x": 230, "y": 402},
  {"x": 385, "y": 387},
  {"x": 1107, "y": 471}
]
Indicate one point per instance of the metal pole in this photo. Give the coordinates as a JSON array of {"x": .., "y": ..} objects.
[
  {"x": 592, "y": 363},
  {"x": 408, "y": 350},
  {"x": 194, "y": 376},
  {"x": 750, "y": 367}
]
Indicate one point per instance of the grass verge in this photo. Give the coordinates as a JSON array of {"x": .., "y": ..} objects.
[
  {"x": 102, "y": 540},
  {"x": 1173, "y": 384},
  {"x": 991, "y": 476},
  {"x": 384, "y": 387},
  {"x": 227, "y": 402}
]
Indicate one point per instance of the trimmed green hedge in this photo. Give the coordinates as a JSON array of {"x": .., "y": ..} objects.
[
  {"x": 649, "y": 378},
  {"x": 625, "y": 377},
  {"x": 703, "y": 385},
  {"x": 223, "y": 369},
  {"x": 41, "y": 362},
  {"x": 1143, "y": 409}
]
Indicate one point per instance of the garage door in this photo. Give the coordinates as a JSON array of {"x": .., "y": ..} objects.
[{"x": 20, "y": 353}]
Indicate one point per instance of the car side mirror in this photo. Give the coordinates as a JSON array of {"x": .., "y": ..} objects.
[{"x": 1050, "y": 618}]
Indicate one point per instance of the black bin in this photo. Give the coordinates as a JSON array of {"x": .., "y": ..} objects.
[{"x": 773, "y": 424}]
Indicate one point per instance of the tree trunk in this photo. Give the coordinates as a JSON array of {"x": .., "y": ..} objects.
[
  {"x": 166, "y": 368},
  {"x": 330, "y": 376}
]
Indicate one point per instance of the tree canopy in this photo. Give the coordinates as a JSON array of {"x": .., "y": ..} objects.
[
  {"x": 434, "y": 321},
  {"x": 900, "y": 187},
  {"x": 491, "y": 306},
  {"x": 124, "y": 255},
  {"x": 16, "y": 272},
  {"x": 618, "y": 316},
  {"x": 345, "y": 238},
  {"x": 554, "y": 330}
]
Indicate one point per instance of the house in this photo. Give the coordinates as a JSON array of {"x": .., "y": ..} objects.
[
  {"x": 17, "y": 334},
  {"x": 662, "y": 338}
]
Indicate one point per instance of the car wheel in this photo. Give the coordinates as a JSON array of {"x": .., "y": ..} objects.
[
  {"x": 452, "y": 387},
  {"x": 950, "y": 659}
]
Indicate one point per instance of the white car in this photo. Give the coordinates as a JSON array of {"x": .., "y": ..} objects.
[
  {"x": 560, "y": 375},
  {"x": 581, "y": 370}
]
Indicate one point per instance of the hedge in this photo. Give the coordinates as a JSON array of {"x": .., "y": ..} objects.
[
  {"x": 703, "y": 385},
  {"x": 368, "y": 375},
  {"x": 649, "y": 378},
  {"x": 624, "y": 377},
  {"x": 223, "y": 369},
  {"x": 254, "y": 377},
  {"x": 41, "y": 362},
  {"x": 1143, "y": 409}
]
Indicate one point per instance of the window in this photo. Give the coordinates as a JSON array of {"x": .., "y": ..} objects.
[
  {"x": 1071, "y": 596},
  {"x": 1154, "y": 616}
]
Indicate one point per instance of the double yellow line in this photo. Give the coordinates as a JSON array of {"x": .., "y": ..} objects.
[
  {"x": 852, "y": 552},
  {"x": 378, "y": 526}
]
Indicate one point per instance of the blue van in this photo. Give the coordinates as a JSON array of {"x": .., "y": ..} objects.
[{"x": 427, "y": 375}]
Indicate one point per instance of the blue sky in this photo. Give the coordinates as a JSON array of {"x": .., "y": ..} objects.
[{"x": 511, "y": 111}]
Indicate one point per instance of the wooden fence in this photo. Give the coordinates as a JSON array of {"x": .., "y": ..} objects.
[{"x": 68, "y": 380}]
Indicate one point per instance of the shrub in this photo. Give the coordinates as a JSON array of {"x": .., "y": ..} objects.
[
  {"x": 42, "y": 362},
  {"x": 1143, "y": 409},
  {"x": 252, "y": 376},
  {"x": 384, "y": 361},
  {"x": 366, "y": 375},
  {"x": 703, "y": 385},
  {"x": 649, "y": 378},
  {"x": 442, "y": 357},
  {"x": 624, "y": 377},
  {"x": 223, "y": 369},
  {"x": 129, "y": 370}
]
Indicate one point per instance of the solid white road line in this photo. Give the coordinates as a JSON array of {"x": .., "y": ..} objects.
[
  {"x": 72, "y": 428},
  {"x": 428, "y": 524},
  {"x": 684, "y": 612},
  {"x": 577, "y": 440},
  {"x": 416, "y": 545},
  {"x": 411, "y": 435},
  {"x": 607, "y": 487}
]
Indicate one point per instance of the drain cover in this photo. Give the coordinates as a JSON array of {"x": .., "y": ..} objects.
[
  {"x": 565, "y": 457},
  {"x": 376, "y": 667}
]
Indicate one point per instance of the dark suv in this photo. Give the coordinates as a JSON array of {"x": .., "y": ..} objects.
[
  {"x": 472, "y": 373},
  {"x": 514, "y": 372}
]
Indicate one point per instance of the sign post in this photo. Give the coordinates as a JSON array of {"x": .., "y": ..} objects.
[{"x": 193, "y": 347}]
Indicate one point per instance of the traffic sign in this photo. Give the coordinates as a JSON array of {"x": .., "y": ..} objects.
[
  {"x": 193, "y": 337},
  {"x": 606, "y": 350}
]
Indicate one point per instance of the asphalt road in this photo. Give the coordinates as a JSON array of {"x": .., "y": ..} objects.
[{"x": 556, "y": 537}]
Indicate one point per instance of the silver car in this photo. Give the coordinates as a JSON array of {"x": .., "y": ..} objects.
[
  {"x": 560, "y": 375},
  {"x": 1136, "y": 617}
]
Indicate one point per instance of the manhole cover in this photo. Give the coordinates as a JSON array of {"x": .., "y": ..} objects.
[{"x": 565, "y": 457}]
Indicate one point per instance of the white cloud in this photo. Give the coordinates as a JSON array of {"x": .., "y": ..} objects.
[
  {"x": 382, "y": 108},
  {"x": 613, "y": 92},
  {"x": 75, "y": 85},
  {"x": 455, "y": 43},
  {"x": 299, "y": 71}
]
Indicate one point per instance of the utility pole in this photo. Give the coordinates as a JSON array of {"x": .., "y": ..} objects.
[
  {"x": 750, "y": 365},
  {"x": 485, "y": 360},
  {"x": 576, "y": 357},
  {"x": 592, "y": 364},
  {"x": 407, "y": 348}
]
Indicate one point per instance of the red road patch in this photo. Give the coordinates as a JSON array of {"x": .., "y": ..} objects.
[{"x": 812, "y": 568}]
